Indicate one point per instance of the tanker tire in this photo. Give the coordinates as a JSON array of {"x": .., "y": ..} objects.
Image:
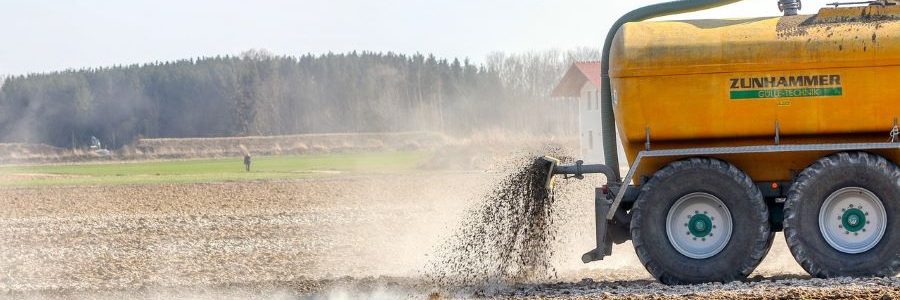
[
  {"x": 809, "y": 193},
  {"x": 751, "y": 236}
]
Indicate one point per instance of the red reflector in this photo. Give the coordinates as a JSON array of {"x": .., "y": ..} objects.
[{"x": 774, "y": 185}]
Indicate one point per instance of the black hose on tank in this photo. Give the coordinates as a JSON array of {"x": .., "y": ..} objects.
[{"x": 608, "y": 122}]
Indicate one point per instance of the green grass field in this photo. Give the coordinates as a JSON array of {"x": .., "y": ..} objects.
[{"x": 209, "y": 170}]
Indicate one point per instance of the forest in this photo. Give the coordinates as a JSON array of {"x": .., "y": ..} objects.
[{"x": 258, "y": 93}]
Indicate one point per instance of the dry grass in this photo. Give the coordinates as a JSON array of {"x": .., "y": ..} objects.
[
  {"x": 150, "y": 149},
  {"x": 283, "y": 145},
  {"x": 469, "y": 152}
]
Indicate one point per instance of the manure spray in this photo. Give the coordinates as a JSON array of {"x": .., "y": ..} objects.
[{"x": 506, "y": 238}]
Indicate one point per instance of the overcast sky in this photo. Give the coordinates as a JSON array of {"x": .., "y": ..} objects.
[{"x": 44, "y": 35}]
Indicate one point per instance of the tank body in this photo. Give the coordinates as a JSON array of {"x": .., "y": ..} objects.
[{"x": 833, "y": 77}]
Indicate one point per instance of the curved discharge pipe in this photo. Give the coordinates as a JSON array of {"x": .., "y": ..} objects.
[{"x": 608, "y": 118}]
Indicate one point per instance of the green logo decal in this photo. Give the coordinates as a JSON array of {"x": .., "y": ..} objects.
[
  {"x": 787, "y": 93},
  {"x": 786, "y": 87}
]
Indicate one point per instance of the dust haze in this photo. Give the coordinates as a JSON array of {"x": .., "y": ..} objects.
[{"x": 258, "y": 93}]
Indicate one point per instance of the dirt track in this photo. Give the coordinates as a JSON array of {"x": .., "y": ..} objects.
[{"x": 339, "y": 238}]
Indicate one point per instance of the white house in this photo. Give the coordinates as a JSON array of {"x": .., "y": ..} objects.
[{"x": 582, "y": 83}]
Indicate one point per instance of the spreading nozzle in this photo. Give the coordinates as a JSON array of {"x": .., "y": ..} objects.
[
  {"x": 552, "y": 162},
  {"x": 576, "y": 170}
]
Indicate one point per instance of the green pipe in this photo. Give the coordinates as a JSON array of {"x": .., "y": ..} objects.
[{"x": 608, "y": 122}]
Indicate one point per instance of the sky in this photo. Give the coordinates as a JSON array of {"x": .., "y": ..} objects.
[{"x": 43, "y": 36}]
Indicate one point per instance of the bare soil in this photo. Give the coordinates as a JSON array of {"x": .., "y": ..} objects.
[{"x": 349, "y": 237}]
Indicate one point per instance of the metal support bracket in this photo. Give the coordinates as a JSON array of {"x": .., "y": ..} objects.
[
  {"x": 604, "y": 243},
  {"x": 647, "y": 142},
  {"x": 777, "y": 132},
  {"x": 895, "y": 131}
]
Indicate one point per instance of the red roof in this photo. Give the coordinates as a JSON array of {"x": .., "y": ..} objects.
[{"x": 579, "y": 73}]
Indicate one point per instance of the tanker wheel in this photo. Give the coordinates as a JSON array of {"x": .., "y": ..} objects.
[
  {"x": 700, "y": 220},
  {"x": 841, "y": 215}
]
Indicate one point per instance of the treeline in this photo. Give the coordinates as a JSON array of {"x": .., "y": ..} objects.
[{"x": 257, "y": 93}]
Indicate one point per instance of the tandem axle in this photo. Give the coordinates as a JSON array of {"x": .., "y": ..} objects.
[{"x": 612, "y": 202}]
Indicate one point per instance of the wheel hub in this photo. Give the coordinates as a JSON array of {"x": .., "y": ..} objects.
[
  {"x": 700, "y": 226},
  {"x": 852, "y": 220}
]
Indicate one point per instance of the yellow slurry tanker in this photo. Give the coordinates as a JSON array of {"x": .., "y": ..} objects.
[{"x": 737, "y": 128}]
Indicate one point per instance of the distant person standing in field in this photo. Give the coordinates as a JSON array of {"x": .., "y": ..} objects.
[{"x": 247, "y": 162}]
